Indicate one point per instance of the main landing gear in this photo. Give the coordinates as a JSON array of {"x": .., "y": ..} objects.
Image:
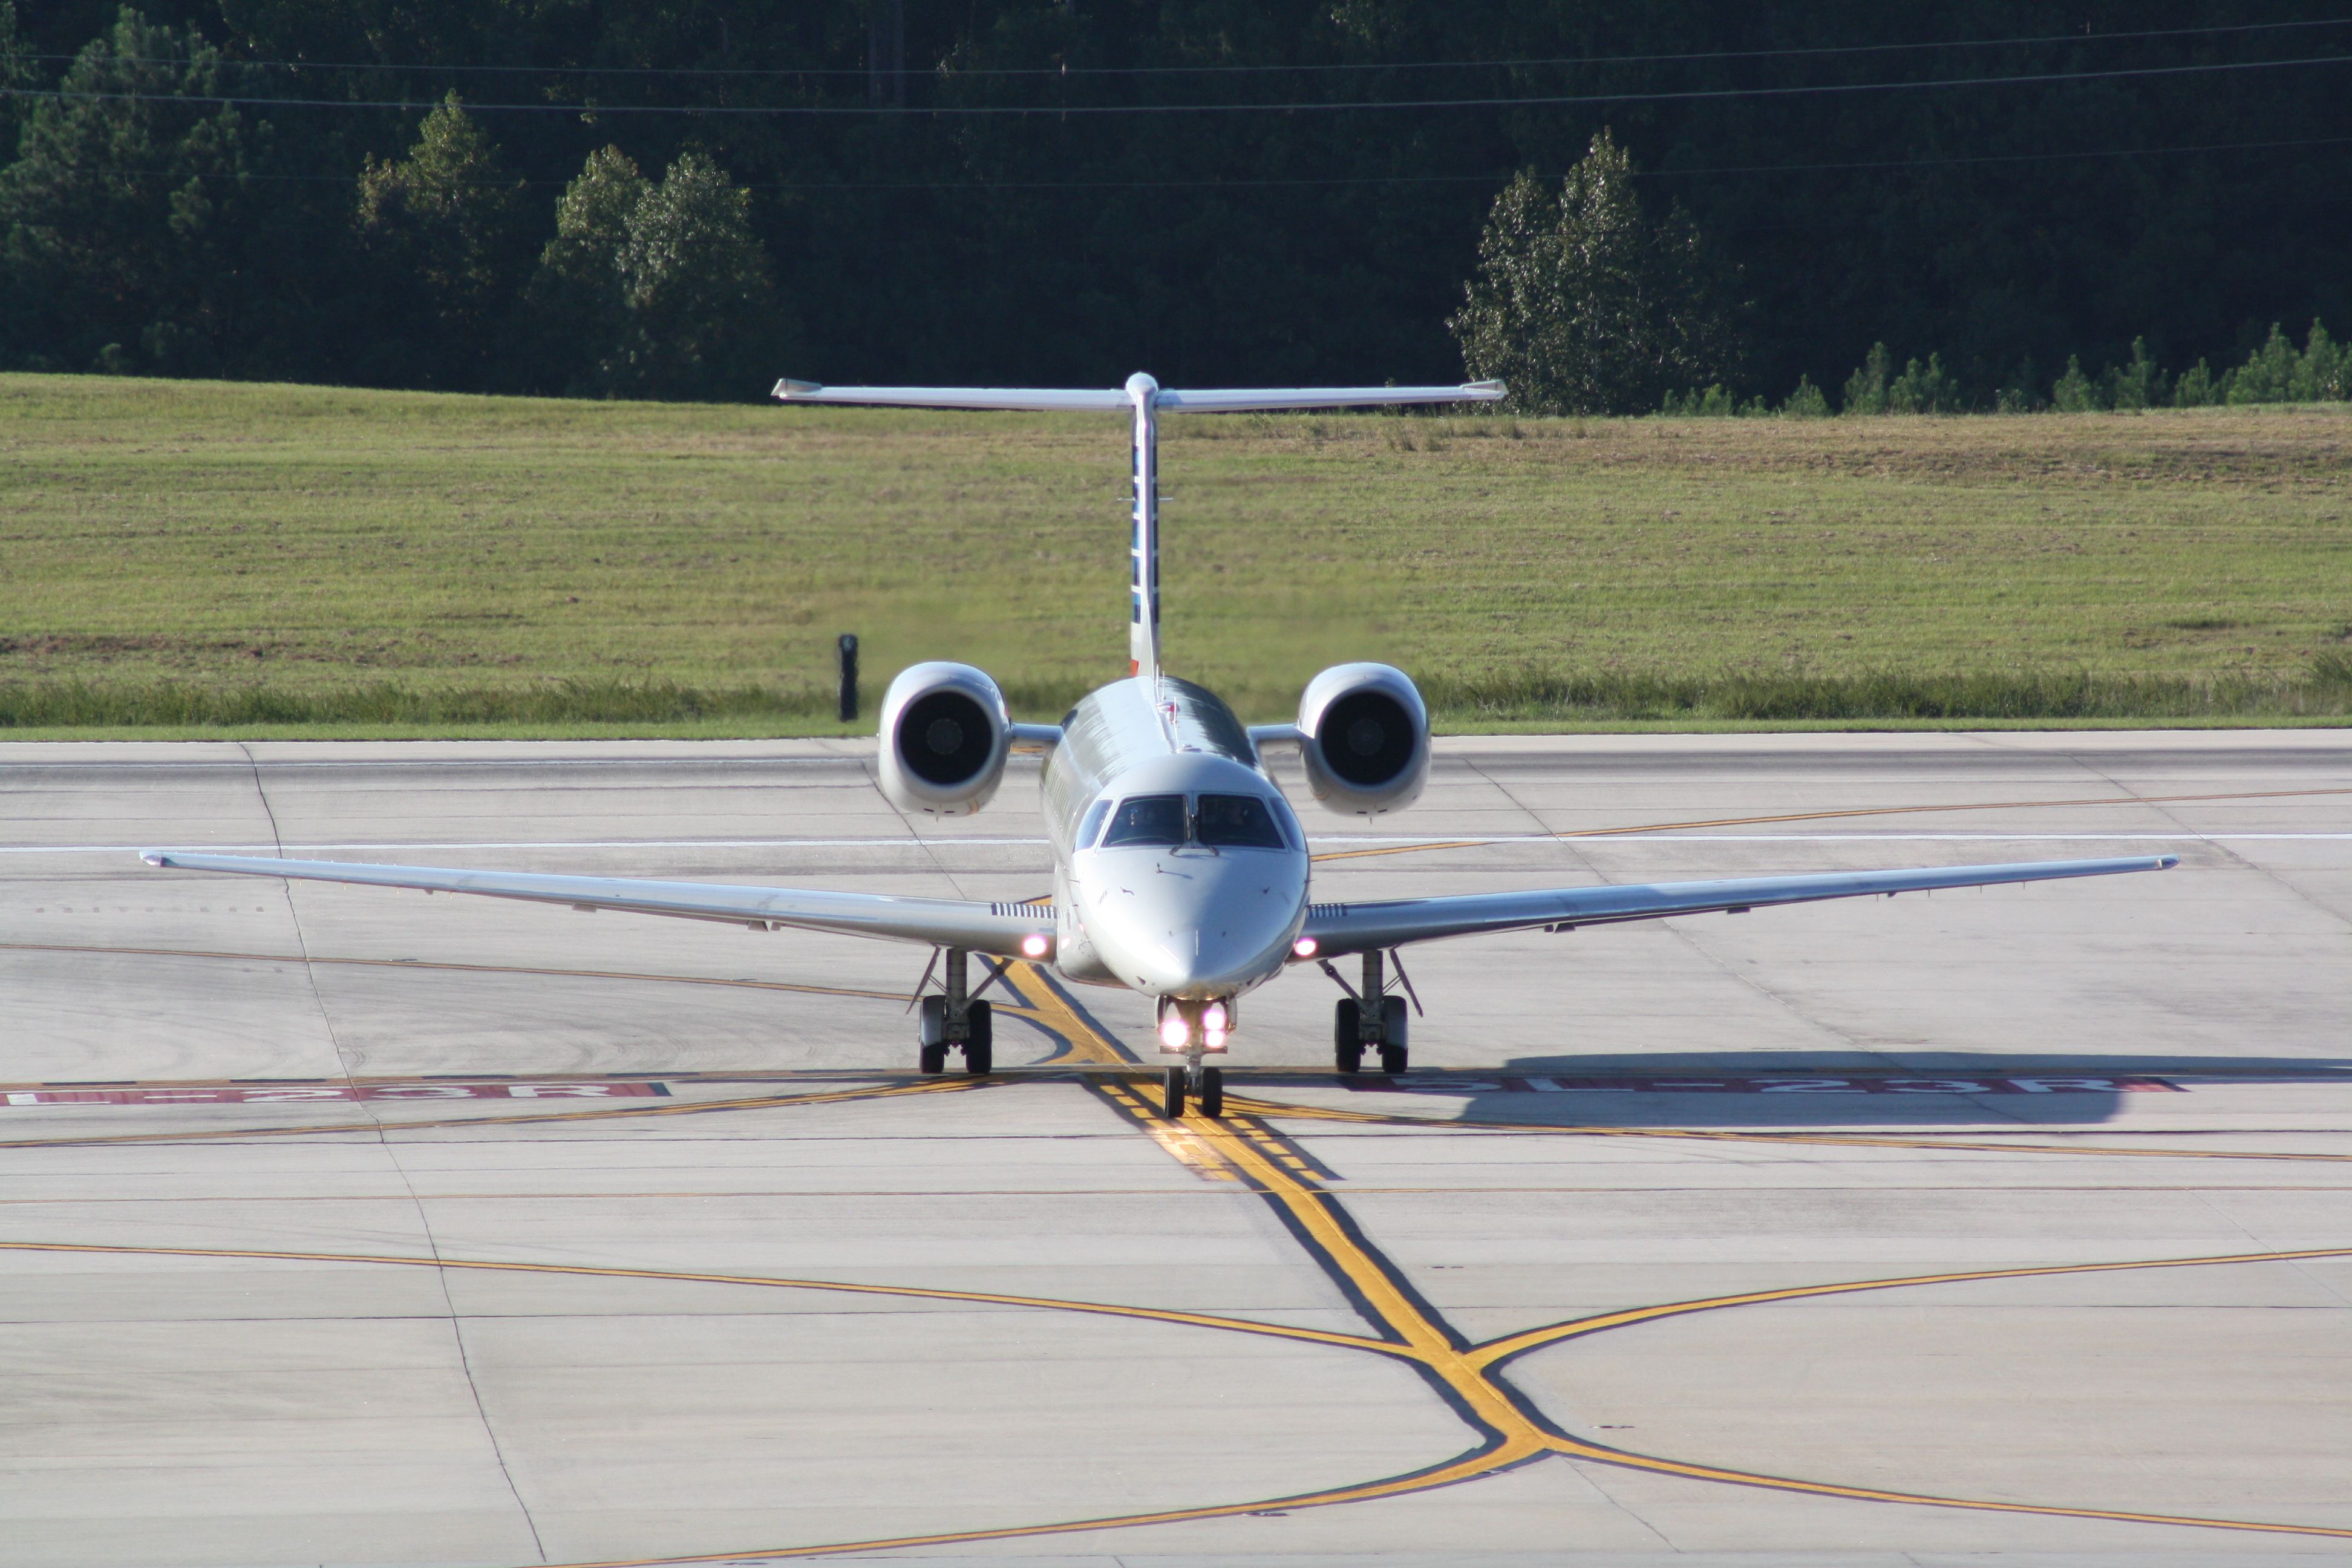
[
  {"x": 1369, "y": 1019},
  {"x": 956, "y": 1020}
]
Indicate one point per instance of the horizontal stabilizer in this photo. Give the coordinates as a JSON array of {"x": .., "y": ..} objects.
[{"x": 1046, "y": 400}]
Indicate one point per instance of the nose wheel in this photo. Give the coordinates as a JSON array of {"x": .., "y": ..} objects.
[{"x": 1205, "y": 1086}]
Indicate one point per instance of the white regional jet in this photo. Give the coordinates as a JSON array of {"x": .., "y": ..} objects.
[{"x": 1179, "y": 869}]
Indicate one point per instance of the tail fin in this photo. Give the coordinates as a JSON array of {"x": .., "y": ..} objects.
[{"x": 1147, "y": 399}]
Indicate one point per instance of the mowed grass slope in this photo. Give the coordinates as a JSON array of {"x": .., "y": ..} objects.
[{"x": 184, "y": 540}]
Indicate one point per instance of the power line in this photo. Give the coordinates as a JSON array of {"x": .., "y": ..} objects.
[
  {"x": 989, "y": 186},
  {"x": 861, "y": 72},
  {"x": 1031, "y": 111}
]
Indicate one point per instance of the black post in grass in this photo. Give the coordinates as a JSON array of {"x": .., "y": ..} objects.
[{"x": 848, "y": 676}]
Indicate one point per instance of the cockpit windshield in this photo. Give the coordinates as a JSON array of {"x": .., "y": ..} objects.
[
  {"x": 1147, "y": 819},
  {"x": 1238, "y": 822}
]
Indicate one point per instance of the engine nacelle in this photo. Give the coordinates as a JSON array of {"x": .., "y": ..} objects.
[
  {"x": 945, "y": 732},
  {"x": 1365, "y": 738}
]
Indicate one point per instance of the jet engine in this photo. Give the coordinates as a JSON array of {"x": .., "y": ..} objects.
[
  {"x": 1364, "y": 736},
  {"x": 945, "y": 732}
]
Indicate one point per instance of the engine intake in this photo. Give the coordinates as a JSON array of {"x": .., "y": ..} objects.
[
  {"x": 1365, "y": 738},
  {"x": 945, "y": 732}
]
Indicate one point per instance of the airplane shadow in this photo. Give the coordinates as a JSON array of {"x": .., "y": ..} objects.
[{"x": 1785, "y": 1089}]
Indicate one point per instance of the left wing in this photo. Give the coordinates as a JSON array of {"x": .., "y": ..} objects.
[
  {"x": 1005, "y": 930},
  {"x": 1360, "y": 928}
]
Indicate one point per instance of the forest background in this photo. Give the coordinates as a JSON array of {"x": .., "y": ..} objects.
[{"x": 1062, "y": 191}]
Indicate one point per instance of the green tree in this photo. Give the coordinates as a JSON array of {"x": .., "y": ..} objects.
[
  {"x": 1925, "y": 389},
  {"x": 701, "y": 309},
  {"x": 577, "y": 302},
  {"x": 2075, "y": 392},
  {"x": 125, "y": 219},
  {"x": 16, "y": 70},
  {"x": 2268, "y": 376},
  {"x": 1581, "y": 303},
  {"x": 658, "y": 289},
  {"x": 1865, "y": 389},
  {"x": 442, "y": 231}
]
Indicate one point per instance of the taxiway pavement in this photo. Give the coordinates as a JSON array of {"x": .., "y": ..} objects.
[{"x": 354, "y": 1226}]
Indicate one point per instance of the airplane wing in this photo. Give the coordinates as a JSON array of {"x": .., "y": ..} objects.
[
  {"x": 1339, "y": 929},
  {"x": 997, "y": 929}
]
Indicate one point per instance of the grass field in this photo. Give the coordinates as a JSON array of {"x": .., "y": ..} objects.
[{"x": 180, "y": 555}]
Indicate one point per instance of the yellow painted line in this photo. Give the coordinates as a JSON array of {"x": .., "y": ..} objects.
[
  {"x": 757, "y": 1282},
  {"x": 1087, "y": 1045},
  {"x": 1285, "y": 1109},
  {"x": 1495, "y": 1353},
  {"x": 1826, "y": 816},
  {"x": 601, "y": 1113}
]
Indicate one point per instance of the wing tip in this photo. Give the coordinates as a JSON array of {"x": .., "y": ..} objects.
[
  {"x": 156, "y": 856},
  {"x": 787, "y": 389},
  {"x": 2167, "y": 862}
]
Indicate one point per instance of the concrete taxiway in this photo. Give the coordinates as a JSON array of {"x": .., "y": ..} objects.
[{"x": 340, "y": 1225}]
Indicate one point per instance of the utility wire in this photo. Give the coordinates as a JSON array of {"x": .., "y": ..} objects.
[
  {"x": 985, "y": 186},
  {"x": 945, "y": 70},
  {"x": 1029, "y": 111}
]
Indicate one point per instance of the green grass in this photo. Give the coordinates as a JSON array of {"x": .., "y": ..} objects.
[{"x": 182, "y": 557}]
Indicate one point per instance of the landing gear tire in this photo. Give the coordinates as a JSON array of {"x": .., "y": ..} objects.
[
  {"x": 1172, "y": 1094},
  {"x": 1392, "y": 1035},
  {"x": 1212, "y": 1092},
  {"x": 932, "y": 1059},
  {"x": 1348, "y": 1037},
  {"x": 980, "y": 1041}
]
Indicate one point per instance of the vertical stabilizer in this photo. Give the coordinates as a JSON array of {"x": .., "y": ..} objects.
[{"x": 1143, "y": 545}]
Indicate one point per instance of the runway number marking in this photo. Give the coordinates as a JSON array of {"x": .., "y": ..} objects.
[
  {"x": 308, "y": 1094},
  {"x": 2133, "y": 1084}
]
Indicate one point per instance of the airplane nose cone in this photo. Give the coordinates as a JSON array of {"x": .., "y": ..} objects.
[{"x": 1192, "y": 925}]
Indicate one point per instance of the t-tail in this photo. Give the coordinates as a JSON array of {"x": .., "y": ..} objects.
[{"x": 1146, "y": 400}]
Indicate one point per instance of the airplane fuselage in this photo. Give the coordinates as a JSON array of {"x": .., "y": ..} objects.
[{"x": 1179, "y": 868}]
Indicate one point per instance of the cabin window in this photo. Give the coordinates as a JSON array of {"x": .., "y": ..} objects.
[
  {"x": 1092, "y": 823},
  {"x": 1147, "y": 819},
  {"x": 1238, "y": 822}
]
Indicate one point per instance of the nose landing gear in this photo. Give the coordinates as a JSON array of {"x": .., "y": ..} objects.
[
  {"x": 957, "y": 1020},
  {"x": 1369, "y": 1019},
  {"x": 1204, "y": 1086}
]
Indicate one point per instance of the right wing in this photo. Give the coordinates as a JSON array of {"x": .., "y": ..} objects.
[
  {"x": 1005, "y": 930},
  {"x": 1339, "y": 928}
]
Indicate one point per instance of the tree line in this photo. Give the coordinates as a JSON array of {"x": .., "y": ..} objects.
[{"x": 625, "y": 197}]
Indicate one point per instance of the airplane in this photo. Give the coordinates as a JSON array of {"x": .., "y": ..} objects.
[{"x": 1180, "y": 869}]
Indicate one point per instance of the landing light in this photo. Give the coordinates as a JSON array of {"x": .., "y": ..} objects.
[
  {"x": 1213, "y": 1018},
  {"x": 1174, "y": 1032},
  {"x": 1306, "y": 947},
  {"x": 1033, "y": 946}
]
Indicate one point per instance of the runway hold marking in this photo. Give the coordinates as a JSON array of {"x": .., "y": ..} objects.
[
  {"x": 1807, "y": 1085},
  {"x": 659, "y": 1107},
  {"x": 310, "y": 1094},
  {"x": 1288, "y": 1110},
  {"x": 1827, "y": 815}
]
